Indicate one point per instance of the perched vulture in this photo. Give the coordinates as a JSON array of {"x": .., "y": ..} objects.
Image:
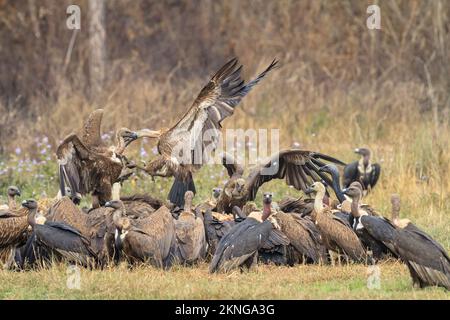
[
  {"x": 239, "y": 247},
  {"x": 58, "y": 238},
  {"x": 12, "y": 193},
  {"x": 363, "y": 171},
  {"x": 334, "y": 233},
  {"x": 87, "y": 165},
  {"x": 298, "y": 167},
  {"x": 185, "y": 147},
  {"x": 151, "y": 239},
  {"x": 371, "y": 230},
  {"x": 190, "y": 233}
]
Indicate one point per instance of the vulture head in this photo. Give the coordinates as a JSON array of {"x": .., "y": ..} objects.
[
  {"x": 354, "y": 191},
  {"x": 124, "y": 137},
  {"x": 239, "y": 188},
  {"x": 30, "y": 204},
  {"x": 364, "y": 153},
  {"x": 13, "y": 191},
  {"x": 216, "y": 193},
  {"x": 267, "y": 205},
  {"x": 316, "y": 187},
  {"x": 119, "y": 218}
]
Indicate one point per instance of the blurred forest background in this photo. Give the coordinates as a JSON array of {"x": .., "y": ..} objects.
[{"x": 340, "y": 84}]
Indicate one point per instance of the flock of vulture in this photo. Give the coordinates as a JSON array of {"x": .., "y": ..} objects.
[{"x": 229, "y": 229}]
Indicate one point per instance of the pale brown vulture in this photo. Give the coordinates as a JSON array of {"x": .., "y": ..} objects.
[
  {"x": 334, "y": 233},
  {"x": 87, "y": 165},
  {"x": 187, "y": 145},
  {"x": 190, "y": 233}
]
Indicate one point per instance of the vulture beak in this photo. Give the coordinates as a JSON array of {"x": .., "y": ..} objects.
[
  {"x": 129, "y": 137},
  {"x": 108, "y": 204},
  {"x": 267, "y": 198},
  {"x": 309, "y": 190},
  {"x": 357, "y": 151},
  {"x": 345, "y": 190}
]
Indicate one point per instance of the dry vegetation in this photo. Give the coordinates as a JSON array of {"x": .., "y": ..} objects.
[{"x": 340, "y": 86}]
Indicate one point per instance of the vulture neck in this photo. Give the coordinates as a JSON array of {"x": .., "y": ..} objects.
[
  {"x": 116, "y": 191},
  {"x": 355, "y": 206},
  {"x": 336, "y": 186},
  {"x": 267, "y": 210},
  {"x": 12, "y": 202},
  {"x": 318, "y": 203},
  {"x": 117, "y": 217},
  {"x": 32, "y": 217}
]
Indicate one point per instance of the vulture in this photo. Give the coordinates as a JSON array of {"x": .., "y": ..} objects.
[
  {"x": 87, "y": 165},
  {"x": 334, "y": 233},
  {"x": 151, "y": 239},
  {"x": 218, "y": 225},
  {"x": 13, "y": 234},
  {"x": 190, "y": 233},
  {"x": 239, "y": 247},
  {"x": 185, "y": 147},
  {"x": 363, "y": 171},
  {"x": 12, "y": 193},
  {"x": 428, "y": 262},
  {"x": 372, "y": 230},
  {"x": 60, "y": 239},
  {"x": 298, "y": 167},
  {"x": 304, "y": 237}
]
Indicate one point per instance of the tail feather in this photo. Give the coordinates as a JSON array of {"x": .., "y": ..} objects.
[{"x": 179, "y": 188}]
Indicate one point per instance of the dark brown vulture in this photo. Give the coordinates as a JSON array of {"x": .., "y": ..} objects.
[
  {"x": 428, "y": 262},
  {"x": 151, "y": 240},
  {"x": 239, "y": 247},
  {"x": 334, "y": 233},
  {"x": 363, "y": 171},
  {"x": 59, "y": 239},
  {"x": 186, "y": 146},
  {"x": 190, "y": 233},
  {"x": 371, "y": 230},
  {"x": 87, "y": 165},
  {"x": 299, "y": 168}
]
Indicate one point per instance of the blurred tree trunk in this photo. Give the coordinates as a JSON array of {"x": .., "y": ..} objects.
[{"x": 96, "y": 46}]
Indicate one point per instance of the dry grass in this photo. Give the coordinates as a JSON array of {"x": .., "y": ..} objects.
[{"x": 264, "y": 282}]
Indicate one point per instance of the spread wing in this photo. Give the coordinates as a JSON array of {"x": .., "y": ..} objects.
[
  {"x": 199, "y": 129},
  {"x": 300, "y": 168}
]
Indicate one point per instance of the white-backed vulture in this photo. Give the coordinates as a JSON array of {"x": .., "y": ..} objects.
[
  {"x": 363, "y": 171},
  {"x": 12, "y": 192},
  {"x": 185, "y": 147},
  {"x": 239, "y": 247}
]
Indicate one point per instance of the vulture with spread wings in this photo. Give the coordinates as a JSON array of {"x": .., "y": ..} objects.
[
  {"x": 186, "y": 146},
  {"x": 87, "y": 165},
  {"x": 299, "y": 168}
]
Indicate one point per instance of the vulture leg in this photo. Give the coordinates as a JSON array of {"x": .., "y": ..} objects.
[{"x": 179, "y": 188}]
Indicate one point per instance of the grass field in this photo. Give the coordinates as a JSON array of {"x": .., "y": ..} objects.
[{"x": 264, "y": 282}]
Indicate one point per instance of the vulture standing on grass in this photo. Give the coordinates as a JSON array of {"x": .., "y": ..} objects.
[
  {"x": 186, "y": 146},
  {"x": 58, "y": 238},
  {"x": 334, "y": 233},
  {"x": 239, "y": 247},
  {"x": 87, "y": 165},
  {"x": 152, "y": 239},
  {"x": 13, "y": 233},
  {"x": 428, "y": 262},
  {"x": 373, "y": 231},
  {"x": 363, "y": 171},
  {"x": 299, "y": 168},
  {"x": 12, "y": 193},
  {"x": 190, "y": 233}
]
